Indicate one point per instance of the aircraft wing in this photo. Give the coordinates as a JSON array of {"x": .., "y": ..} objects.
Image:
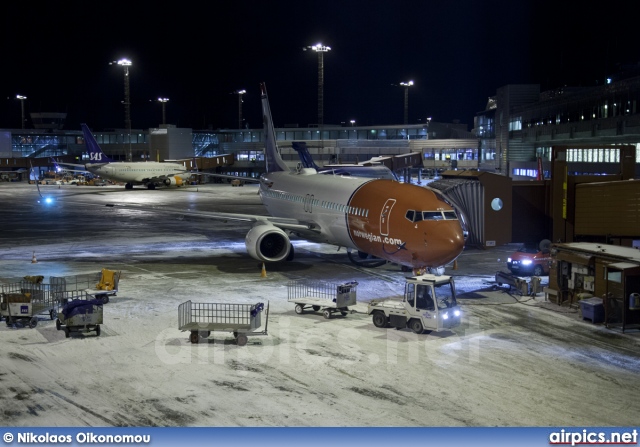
[
  {"x": 62, "y": 167},
  {"x": 280, "y": 222},
  {"x": 232, "y": 177}
]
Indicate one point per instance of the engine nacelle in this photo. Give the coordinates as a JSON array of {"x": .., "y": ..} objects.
[
  {"x": 173, "y": 181},
  {"x": 266, "y": 242}
]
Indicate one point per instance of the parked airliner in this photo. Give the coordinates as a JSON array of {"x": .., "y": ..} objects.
[
  {"x": 397, "y": 222},
  {"x": 147, "y": 173},
  {"x": 365, "y": 169}
]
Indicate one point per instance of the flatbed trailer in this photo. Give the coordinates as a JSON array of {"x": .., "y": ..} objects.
[
  {"x": 322, "y": 297},
  {"x": 243, "y": 320}
]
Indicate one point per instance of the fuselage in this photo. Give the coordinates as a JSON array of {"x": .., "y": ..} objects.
[
  {"x": 138, "y": 172},
  {"x": 399, "y": 222}
]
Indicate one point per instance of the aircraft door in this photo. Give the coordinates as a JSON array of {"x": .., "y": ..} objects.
[
  {"x": 385, "y": 215},
  {"x": 308, "y": 203}
]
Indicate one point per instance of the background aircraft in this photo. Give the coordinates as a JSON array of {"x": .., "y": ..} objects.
[
  {"x": 396, "y": 222},
  {"x": 147, "y": 173},
  {"x": 365, "y": 169}
]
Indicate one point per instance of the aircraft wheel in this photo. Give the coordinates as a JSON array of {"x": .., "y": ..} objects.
[{"x": 369, "y": 262}]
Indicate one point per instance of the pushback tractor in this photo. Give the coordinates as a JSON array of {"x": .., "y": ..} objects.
[{"x": 429, "y": 304}]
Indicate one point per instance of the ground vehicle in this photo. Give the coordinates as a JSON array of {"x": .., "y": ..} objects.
[
  {"x": 530, "y": 259},
  {"x": 241, "y": 319},
  {"x": 106, "y": 286},
  {"x": 429, "y": 304},
  {"x": 322, "y": 297},
  {"x": 24, "y": 300},
  {"x": 80, "y": 315}
]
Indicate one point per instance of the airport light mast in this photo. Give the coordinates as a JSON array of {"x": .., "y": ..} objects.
[
  {"x": 240, "y": 93},
  {"x": 126, "y": 63},
  {"x": 320, "y": 49},
  {"x": 163, "y": 101},
  {"x": 21, "y": 98},
  {"x": 406, "y": 86}
]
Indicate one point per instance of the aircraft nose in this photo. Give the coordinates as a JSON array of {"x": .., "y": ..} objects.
[{"x": 451, "y": 244}]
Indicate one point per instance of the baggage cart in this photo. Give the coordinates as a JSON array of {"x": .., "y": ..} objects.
[
  {"x": 203, "y": 318},
  {"x": 322, "y": 297},
  {"x": 100, "y": 286},
  {"x": 23, "y": 301},
  {"x": 80, "y": 315}
]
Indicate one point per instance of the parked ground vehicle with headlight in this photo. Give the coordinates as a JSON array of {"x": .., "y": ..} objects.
[
  {"x": 530, "y": 259},
  {"x": 429, "y": 304}
]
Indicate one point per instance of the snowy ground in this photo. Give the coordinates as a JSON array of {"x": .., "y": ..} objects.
[{"x": 515, "y": 361}]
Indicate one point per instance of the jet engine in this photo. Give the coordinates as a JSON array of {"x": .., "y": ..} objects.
[
  {"x": 173, "y": 181},
  {"x": 266, "y": 242}
]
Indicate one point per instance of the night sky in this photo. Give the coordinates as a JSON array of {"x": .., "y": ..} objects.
[{"x": 198, "y": 54}]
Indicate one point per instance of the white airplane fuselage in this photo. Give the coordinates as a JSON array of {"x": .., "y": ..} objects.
[{"x": 139, "y": 172}]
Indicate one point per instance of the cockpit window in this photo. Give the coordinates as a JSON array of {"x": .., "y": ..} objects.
[
  {"x": 411, "y": 215},
  {"x": 432, "y": 215},
  {"x": 417, "y": 216}
]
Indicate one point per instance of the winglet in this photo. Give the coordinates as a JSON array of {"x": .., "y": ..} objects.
[
  {"x": 272, "y": 158},
  {"x": 95, "y": 153},
  {"x": 56, "y": 165}
]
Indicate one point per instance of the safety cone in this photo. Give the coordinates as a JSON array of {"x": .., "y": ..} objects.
[
  {"x": 34, "y": 260},
  {"x": 264, "y": 272}
]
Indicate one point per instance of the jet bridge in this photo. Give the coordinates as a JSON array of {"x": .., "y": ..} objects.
[{"x": 484, "y": 201}]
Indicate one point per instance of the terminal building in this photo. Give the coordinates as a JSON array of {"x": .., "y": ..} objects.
[{"x": 513, "y": 136}]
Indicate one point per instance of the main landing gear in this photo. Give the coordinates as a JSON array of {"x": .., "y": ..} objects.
[{"x": 362, "y": 259}]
